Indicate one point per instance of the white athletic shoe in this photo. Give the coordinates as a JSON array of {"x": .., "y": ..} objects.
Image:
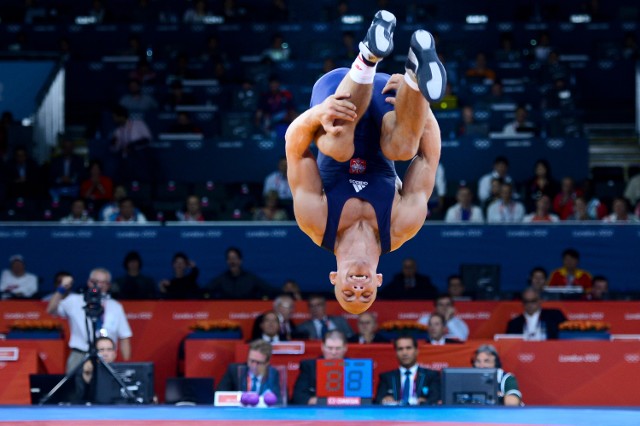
[
  {"x": 423, "y": 64},
  {"x": 378, "y": 43}
]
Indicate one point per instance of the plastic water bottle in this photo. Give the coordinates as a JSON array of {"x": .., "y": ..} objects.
[{"x": 543, "y": 330}]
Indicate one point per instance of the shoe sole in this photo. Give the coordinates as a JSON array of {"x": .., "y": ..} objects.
[
  {"x": 423, "y": 61},
  {"x": 383, "y": 26}
]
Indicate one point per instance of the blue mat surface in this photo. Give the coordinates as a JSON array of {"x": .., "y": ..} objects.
[{"x": 380, "y": 415}]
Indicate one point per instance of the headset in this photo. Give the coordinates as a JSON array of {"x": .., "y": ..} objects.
[{"x": 490, "y": 349}]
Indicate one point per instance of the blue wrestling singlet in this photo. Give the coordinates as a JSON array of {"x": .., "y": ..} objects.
[{"x": 369, "y": 175}]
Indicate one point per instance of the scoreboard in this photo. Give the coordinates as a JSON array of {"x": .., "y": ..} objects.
[{"x": 344, "y": 378}]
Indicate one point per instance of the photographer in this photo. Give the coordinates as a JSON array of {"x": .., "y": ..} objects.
[{"x": 95, "y": 304}]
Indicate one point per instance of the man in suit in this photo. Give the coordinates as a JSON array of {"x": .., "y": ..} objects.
[
  {"x": 320, "y": 323},
  {"x": 367, "y": 330},
  {"x": 536, "y": 323},
  {"x": 409, "y": 284},
  {"x": 334, "y": 346},
  {"x": 437, "y": 330},
  {"x": 409, "y": 384},
  {"x": 256, "y": 375}
]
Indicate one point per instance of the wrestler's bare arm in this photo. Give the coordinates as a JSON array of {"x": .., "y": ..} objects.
[{"x": 302, "y": 169}]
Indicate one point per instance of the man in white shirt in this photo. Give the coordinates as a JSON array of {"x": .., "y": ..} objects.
[
  {"x": 16, "y": 282},
  {"x": 506, "y": 209},
  {"x": 277, "y": 181},
  {"x": 111, "y": 323},
  {"x": 464, "y": 211},
  {"x": 456, "y": 327},
  {"x": 500, "y": 171},
  {"x": 409, "y": 384}
]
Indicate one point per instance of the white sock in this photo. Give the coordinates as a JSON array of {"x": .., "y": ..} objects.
[
  {"x": 411, "y": 82},
  {"x": 362, "y": 73}
]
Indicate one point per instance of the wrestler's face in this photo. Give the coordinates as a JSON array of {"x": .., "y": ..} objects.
[{"x": 356, "y": 285}]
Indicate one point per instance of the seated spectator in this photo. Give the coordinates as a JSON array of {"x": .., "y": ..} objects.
[
  {"x": 596, "y": 209},
  {"x": 276, "y": 107},
  {"x": 193, "y": 212},
  {"x": 521, "y": 124},
  {"x": 541, "y": 183},
  {"x": 78, "y": 213},
  {"x": 410, "y": 384},
  {"x": 455, "y": 326},
  {"x": 367, "y": 330},
  {"x": 334, "y": 347},
  {"x": 542, "y": 213},
  {"x": 437, "y": 330},
  {"x": 538, "y": 279},
  {"x": 284, "y": 306},
  {"x": 486, "y": 356},
  {"x": 456, "y": 289},
  {"x": 464, "y": 210},
  {"x": 580, "y": 210},
  {"x": 277, "y": 181},
  {"x": 536, "y": 323},
  {"x": 320, "y": 323},
  {"x": 480, "y": 70},
  {"x": 137, "y": 102},
  {"x": 106, "y": 349},
  {"x": 292, "y": 288},
  {"x": 599, "y": 289},
  {"x": 16, "y": 282},
  {"x": 184, "y": 124},
  {"x": 506, "y": 209},
  {"x": 97, "y": 187},
  {"x": 569, "y": 274},
  {"x": 184, "y": 283},
  {"x": 506, "y": 52},
  {"x": 563, "y": 203},
  {"x": 133, "y": 285},
  {"x": 270, "y": 328},
  {"x": 271, "y": 210},
  {"x": 22, "y": 174},
  {"x": 236, "y": 282},
  {"x": 130, "y": 142},
  {"x": 65, "y": 172},
  {"x": 494, "y": 195},
  {"x": 500, "y": 171},
  {"x": 278, "y": 50},
  {"x": 409, "y": 284},
  {"x": 112, "y": 208},
  {"x": 621, "y": 213},
  {"x": 256, "y": 375},
  {"x": 469, "y": 126},
  {"x": 128, "y": 213}
]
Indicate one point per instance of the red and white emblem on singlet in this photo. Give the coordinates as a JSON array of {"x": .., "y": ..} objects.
[{"x": 357, "y": 166}]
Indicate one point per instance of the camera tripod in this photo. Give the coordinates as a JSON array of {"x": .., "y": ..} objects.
[{"x": 93, "y": 312}]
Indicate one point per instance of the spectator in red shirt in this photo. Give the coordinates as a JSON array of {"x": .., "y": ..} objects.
[
  {"x": 97, "y": 187},
  {"x": 563, "y": 203},
  {"x": 569, "y": 274}
]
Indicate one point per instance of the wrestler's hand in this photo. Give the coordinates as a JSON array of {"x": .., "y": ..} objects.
[
  {"x": 393, "y": 84},
  {"x": 334, "y": 111}
]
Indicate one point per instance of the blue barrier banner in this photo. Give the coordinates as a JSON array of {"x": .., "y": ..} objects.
[{"x": 281, "y": 251}]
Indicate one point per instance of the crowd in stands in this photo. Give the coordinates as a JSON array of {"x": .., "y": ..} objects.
[{"x": 203, "y": 84}]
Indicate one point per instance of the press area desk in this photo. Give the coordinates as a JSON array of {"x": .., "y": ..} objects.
[{"x": 562, "y": 372}]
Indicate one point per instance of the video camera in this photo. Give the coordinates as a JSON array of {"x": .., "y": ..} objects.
[{"x": 93, "y": 302}]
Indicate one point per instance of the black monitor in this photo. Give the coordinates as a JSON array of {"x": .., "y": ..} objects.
[
  {"x": 189, "y": 391},
  {"x": 41, "y": 384},
  {"x": 482, "y": 280},
  {"x": 137, "y": 376},
  {"x": 470, "y": 386}
]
